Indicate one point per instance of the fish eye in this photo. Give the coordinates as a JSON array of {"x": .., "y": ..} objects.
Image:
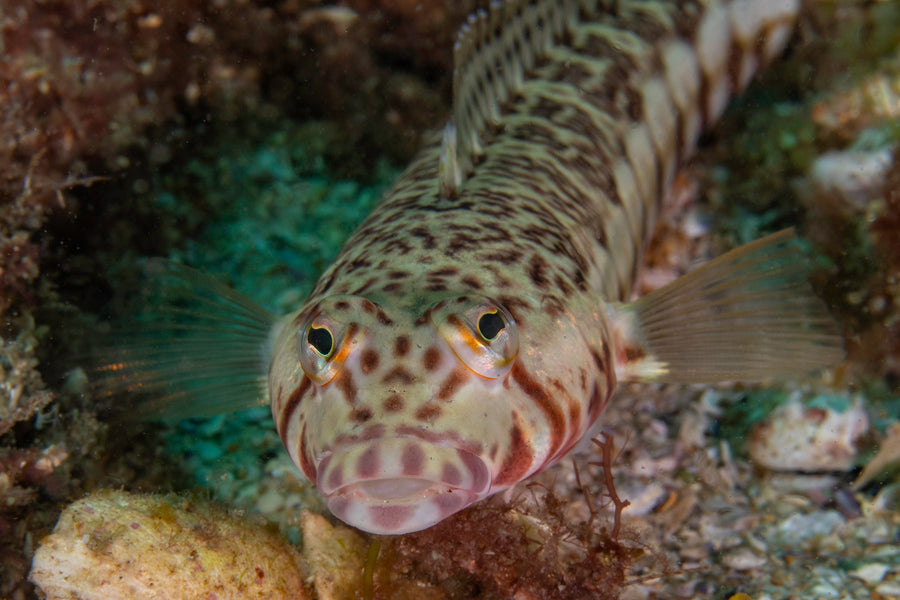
[
  {"x": 481, "y": 333},
  {"x": 321, "y": 340},
  {"x": 490, "y": 324},
  {"x": 323, "y": 344}
]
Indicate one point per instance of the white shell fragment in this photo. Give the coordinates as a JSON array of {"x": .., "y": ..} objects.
[
  {"x": 114, "y": 545},
  {"x": 851, "y": 178},
  {"x": 798, "y": 437}
]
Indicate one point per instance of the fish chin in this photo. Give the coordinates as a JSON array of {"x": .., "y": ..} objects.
[{"x": 401, "y": 485}]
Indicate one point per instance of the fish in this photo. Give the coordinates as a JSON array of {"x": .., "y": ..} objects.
[{"x": 478, "y": 322}]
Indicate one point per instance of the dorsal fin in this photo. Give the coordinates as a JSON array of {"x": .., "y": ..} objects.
[{"x": 493, "y": 50}]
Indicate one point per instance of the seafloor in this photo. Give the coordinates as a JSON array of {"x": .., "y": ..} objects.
[{"x": 247, "y": 139}]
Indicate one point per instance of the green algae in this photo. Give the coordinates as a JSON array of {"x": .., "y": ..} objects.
[{"x": 268, "y": 215}]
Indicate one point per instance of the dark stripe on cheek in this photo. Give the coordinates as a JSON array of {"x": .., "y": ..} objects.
[
  {"x": 552, "y": 412},
  {"x": 306, "y": 465},
  {"x": 599, "y": 399},
  {"x": 287, "y": 411},
  {"x": 517, "y": 462}
]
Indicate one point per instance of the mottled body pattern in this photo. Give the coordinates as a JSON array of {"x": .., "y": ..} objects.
[{"x": 558, "y": 185}]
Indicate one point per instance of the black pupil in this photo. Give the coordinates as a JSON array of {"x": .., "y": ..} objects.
[
  {"x": 320, "y": 339},
  {"x": 490, "y": 324}
]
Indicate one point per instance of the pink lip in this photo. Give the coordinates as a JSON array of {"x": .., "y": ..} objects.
[{"x": 399, "y": 485}]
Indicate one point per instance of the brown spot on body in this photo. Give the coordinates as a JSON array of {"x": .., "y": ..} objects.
[
  {"x": 368, "y": 360},
  {"x": 444, "y": 272},
  {"x": 365, "y": 287},
  {"x": 428, "y": 240},
  {"x": 383, "y": 318},
  {"x": 460, "y": 241},
  {"x": 471, "y": 282},
  {"x": 440, "y": 438},
  {"x": 357, "y": 263},
  {"x": 341, "y": 305},
  {"x": 393, "y": 403},
  {"x": 432, "y": 359},
  {"x": 401, "y": 346},
  {"x": 504, "y": 257},
  {"x": 344, "y": 382},
  {"x": 537, "y": 271},
  {"x": 552, "y": 306},
  {"x": 451, "y": 384},
  {"x": 370, "y": 432},
  {"x": 428, "y": 412},
  {"x": 361, "y": 414},
  {"x": 398, "y": 375}
]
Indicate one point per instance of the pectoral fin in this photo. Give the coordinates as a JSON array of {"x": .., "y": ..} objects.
[
  {"x": 198, "y": 349},
  {"x": 748, "y": 315}
]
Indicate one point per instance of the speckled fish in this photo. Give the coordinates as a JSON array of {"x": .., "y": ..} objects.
[{"x": 475, "y": 326}]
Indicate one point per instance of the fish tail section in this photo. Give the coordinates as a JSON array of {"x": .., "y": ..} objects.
[
  {"x": 198, "y": 349},
  {"x": 748, "y": 315}
]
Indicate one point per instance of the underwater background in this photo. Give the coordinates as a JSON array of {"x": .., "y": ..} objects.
[{"x": 248, "y": 139}]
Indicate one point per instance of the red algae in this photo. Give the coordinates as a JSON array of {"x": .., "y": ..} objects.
[{"x": 529, "y": 548}]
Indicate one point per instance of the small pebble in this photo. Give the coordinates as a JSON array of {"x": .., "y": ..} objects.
[
  {"x": 889, "y": 589},
  {"x": 744, "y": 560},
  {"x": 269, "y": 501},
  {"x": 823, "y": 589},
  {"x": 871, "y": 573}
]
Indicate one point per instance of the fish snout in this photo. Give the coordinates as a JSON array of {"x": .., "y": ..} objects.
[{"x": 400, "y": 485}]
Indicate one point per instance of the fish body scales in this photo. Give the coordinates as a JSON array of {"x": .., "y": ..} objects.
[{"x": 461, "y": 340}]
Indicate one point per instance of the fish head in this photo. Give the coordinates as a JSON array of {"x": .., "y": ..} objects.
[{"x": 403, "y": 416}]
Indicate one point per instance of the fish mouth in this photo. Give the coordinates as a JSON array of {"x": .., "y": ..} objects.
[{"x": 401, "y": 485}]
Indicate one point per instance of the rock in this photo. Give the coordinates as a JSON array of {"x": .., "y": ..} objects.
[
  {"x": 336, "y": 556},
  {"x": 803, "y": 437},
  {"x": 113, "y": 545}
]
